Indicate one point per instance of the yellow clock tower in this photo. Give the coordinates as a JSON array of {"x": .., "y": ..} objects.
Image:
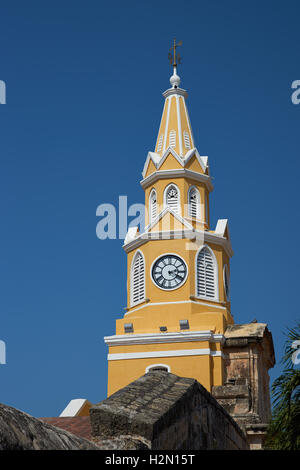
[{"x": 178, "y": 272}]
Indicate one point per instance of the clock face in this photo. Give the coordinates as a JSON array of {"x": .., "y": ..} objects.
[{"x": 169, "y": 272}]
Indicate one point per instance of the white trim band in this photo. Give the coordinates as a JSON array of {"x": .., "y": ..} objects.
[
  {"x": 176, "y": 353},
  {"x": 163, "y": 338},
  {"x": 150, "y": 304}
]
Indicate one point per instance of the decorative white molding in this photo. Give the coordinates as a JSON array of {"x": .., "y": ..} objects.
[
  {"x": 179, "y": 126},
  {"x": 216, "y": 274},
  {"x": 165, "y": 197},
  {"x": 74, "y": 407},
  {"x": 141, "y": 282},
  {"x": 202, "y": 235},
  {"x": 199, "y": 215},
  {"x": 183, "y": 160},
  {"x": 178, "y": 302},
  {"x": 163, "y": 338},
  {"x": 177, "y": 173},
  {"x": 167, "y": 124},
  {"x": 175, "y": 91},
  {"x": 166, "y": 210},
  {"x": 221, "y": 226},
  {"x": 131, "y": 234},
  {"x": 174, "y": 353},
  {"x": 155, "y": 157},
  {"x": 189, "y": 122}
]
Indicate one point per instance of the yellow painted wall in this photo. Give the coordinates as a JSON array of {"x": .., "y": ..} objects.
[
  {"x": 167, "y": 307},
  {"x": 183, "y": 185},
  {"x": 206, "y": 369}
]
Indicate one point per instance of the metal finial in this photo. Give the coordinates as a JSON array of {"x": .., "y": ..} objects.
[{"x": 174, "y": 57}]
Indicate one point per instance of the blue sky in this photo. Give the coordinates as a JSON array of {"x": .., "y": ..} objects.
[{"x": 84, "y": 83}]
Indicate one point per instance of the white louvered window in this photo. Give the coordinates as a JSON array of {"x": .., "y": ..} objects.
[
  {"x": 152, "y": 206},
  {"x": 206, "y": 274},
  {"x": 186, "y": 139},
  {"x": 160, "y": 142},
  {"x": 194, "y": 202},
  {"x": 138, "y": 279},
  {"x": 172, "y": 198},
  {"x": 172, "y": 139}
]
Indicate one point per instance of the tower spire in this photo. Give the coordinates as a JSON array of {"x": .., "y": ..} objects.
[{"x": 175, "y": 59}]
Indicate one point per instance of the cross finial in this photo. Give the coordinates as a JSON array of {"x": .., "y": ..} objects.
[{"x": 175, "y": 57}]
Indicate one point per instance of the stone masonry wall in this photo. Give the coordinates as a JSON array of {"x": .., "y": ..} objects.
[{"x": 166, "y": 412}]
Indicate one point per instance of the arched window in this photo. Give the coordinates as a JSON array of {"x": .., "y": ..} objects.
[
  {"x": 152, "y": 206},
  {"x": 172, "y": 198},
  {"x": 172, "y": 138},
  {"x": 159, "y": 367},
  {"x": 206, "y": 274},
  {"x": 137, "y": 278},
  {"x": 194, "y": 202}
]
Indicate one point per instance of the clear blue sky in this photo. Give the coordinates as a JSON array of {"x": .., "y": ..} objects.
[{"x": 84, "y": 82}]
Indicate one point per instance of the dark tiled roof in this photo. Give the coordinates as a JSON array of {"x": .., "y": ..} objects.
[{"x": 78, "y": 425}]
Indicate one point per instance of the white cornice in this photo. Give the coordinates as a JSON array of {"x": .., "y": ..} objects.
[
  {"x": 177, "y": 173},
  {"x": 202, "y": 235},
  {"x": 196, "y": 302},
  {"x": 155, "y": 338},
  {"x": 175, "y": 91}
]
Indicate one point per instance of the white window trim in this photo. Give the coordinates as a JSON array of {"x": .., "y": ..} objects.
[
  {"x": 199, "y": 215},
  {"x": 153, "y": 191},
  {"x": 165, "y": 197},
  {"x": 226, "y": 272},
  {"x": 148, "y": 369},
  {"x": 206, "y": 209},
  {"x": 216, "y": 274},
  {"x": 132, "y": 303}
]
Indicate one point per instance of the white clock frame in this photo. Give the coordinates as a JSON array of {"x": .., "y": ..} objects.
[{"x": 165, "y": 255}]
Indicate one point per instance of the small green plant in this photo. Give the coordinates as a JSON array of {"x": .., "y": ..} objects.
[{"x": 284, "y": 429}]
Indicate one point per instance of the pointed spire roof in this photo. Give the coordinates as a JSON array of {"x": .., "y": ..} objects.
[{"x": 175, "y": 128}]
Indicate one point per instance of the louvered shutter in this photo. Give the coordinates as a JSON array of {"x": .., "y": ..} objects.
[
  {"x": 206, "y": 278},
  {"x": 172, "y": 199},
  {"x": 138, "y": 279},
  {"x": 172, "y": 139},
  {"x": 186, "y": 138},
  {"x": 160, "y": 142},
  {"x": 153, "y": 206},
  {"x": 193, "y": 203}
]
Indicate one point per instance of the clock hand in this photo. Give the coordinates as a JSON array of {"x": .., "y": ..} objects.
[{"x": 172, "y": 271}]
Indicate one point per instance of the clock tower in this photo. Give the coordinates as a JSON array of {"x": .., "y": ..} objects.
[{"x": 178, "y": 269}]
